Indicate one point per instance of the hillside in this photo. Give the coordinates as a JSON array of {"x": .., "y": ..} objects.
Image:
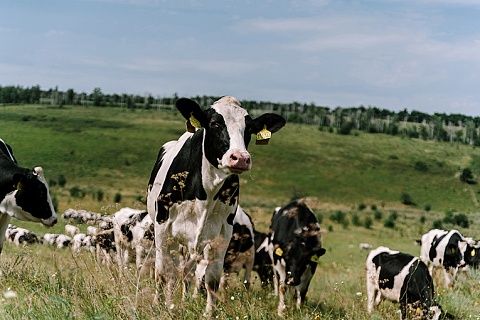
[{"x": 112, "y": 150}]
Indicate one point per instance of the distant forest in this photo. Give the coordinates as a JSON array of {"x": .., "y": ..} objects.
[{"x": 453, "y": 128}]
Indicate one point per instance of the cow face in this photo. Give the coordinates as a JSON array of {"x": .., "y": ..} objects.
[
  {"x": 297, "y": 256},
  {"x": 227, "y": 131},
  {"x": 32, "y": 198}
]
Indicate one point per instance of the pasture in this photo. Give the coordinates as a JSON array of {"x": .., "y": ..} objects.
[{"x": 106, "y": 154}]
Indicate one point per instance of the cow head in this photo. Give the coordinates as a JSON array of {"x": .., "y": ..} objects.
[
  {"x": 227, "y": 131},
  {"x": 298, "y": 254},
  {"x": 32, "y": 200}
]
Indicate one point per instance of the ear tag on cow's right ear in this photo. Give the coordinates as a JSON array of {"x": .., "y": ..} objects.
[
  {"x": 19, "y": 186},
  {"x": 472, "y": 253},
  {"x": 279, "y": 252},
  {"x": 263, "y": 137},
  {"x": 314, "y": 258},
  {"x": 192, "y": 124}
]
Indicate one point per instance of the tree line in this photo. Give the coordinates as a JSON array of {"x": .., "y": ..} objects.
[{"x": 415, "y": 124}]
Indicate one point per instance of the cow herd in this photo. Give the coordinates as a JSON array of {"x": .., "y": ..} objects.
[{"x": 194, "y": 231}]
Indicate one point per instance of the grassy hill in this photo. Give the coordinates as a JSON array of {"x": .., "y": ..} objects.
[{"x": 106, "y": 154}]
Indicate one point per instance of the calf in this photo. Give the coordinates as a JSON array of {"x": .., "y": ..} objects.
[
  {"x": 23, "y": 193},
  {"x": 71, "y": 230},
  {"x": 193, "y": 190},
  {"x": 445, "y": 250},
  {"x": 123, "y": 220},
  {"x": 401, "y": 278},
  {"x": 241, "y": 250},
  {"x": 263, "y": 264},
  {"x": 295, "y": 245}
]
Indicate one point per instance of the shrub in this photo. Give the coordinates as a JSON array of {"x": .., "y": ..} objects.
[
  {"x": 448, "y": 218},
  {"x": 467, "y": 176},
  {"x": 437, "y": 224},
  {"x": 117, "y": 198},
  {"x": 338, "y": 216},
  {"x": 421, "y": 166},
  {"x": 100, "y": 195},
  {"x": 62, "y": 180},
  {"x": 76, "y": 192},
  {"x": 406, "y": 199},
  {"x": 423, "y": 219},
  {"x": 378, "y": 215},
  {"x": 461, "y": 220},
  {"x": 389, "y": 223},
  {"x": 373, "y": 207},
  {"x": 346, "y": 128},
  {"x": 362, "y": 206},
  {"x": 394, "y": 215},
  {"x": 356, "y": 220},
  {"x": 368, "y": 222},
  {"x": 428, "y": 207}
]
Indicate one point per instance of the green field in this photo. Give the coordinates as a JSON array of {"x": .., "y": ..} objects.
[{"x": 106, "y": 154}]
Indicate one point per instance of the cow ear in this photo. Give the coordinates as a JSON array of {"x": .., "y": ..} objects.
[
  {"x": 191, "y": 111},
  {"x": 269, "y": 121}
]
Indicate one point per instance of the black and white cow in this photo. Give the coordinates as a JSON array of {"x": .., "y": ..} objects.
[
  {"x": 241, "y": 249},
  {"x": 472, "y": 255},
  {"x": 263, "y": 264},
  {"x": 295, "y": 245},
  {"x": 23, "y": 193},
  {"x": 444, "y": 249},
  {"x": 401, "y": 278},
  {"x": 194, "y": 187}
]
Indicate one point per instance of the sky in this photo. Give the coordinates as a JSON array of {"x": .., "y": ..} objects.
[{"x": 419, "y": 55}]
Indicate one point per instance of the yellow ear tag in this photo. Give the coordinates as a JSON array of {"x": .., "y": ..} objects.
[
  {"x": 472, "y": 253},
  {"x": 279, "y": 252},
  {"x": 314, "y": 258},
  {"x": 192, "y": 124},
  {"x": 453, "y": 250},
  {"x": 263, "y": 136},
  {"x": 19, "y": 186}
]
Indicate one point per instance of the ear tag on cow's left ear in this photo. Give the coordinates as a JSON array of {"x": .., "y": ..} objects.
[
  {"x": 19, "y": 185},
  {"x": 263, "y": 137},
  {"x": 472, "y": 253},
  {"x": 279, "y": 252},
  {"x": 314, "y": 258},
  {"x": 192, "y": 124}
]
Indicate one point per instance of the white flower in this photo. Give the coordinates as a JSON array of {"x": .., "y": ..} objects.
[
  {"x": 9, "y": 294},
  {"x": 232, "y": 298},
  {"x": 359, "y": 294}
]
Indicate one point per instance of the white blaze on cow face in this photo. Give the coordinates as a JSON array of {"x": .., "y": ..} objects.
[{"x": 236, "y": 159}]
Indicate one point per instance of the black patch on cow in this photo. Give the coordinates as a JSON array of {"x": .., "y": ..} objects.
[
  {"x": 229, "y": 192},
  {"x": 472, "y": 256},
  {"x": 452, "y": 255},
  {"x": 184, "y": 178},
  {"x": 262, "y": 264},
  {"x": 217, "y": 139},
  {"x": 391, "y": 265}
]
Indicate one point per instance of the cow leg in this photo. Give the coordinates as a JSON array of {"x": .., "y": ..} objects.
[
  {"x": 165, "y": 268},
  {"x": 373, "y": 294},
  {"x": 450, "y": 277},
  {"x": 249, "y": 267},
  {"x": 281, "y": 298},
  {"x": 213, "y": 274}
]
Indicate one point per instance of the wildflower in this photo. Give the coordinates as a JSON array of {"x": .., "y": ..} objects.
[
  {"x": 359, "y": 294},
  {"x": 232, "y": 298},
  {"x": 172, "y": 306},
  {"x": 9, "y": 294}
]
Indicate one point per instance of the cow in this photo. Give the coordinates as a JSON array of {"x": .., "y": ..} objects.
[
  {"x": 193, "y": 190},
  {"x": 241, "y": 248},
  {"x": 472, "y": 255},
  {"x": 444, "y": 249},
  {"x": 295, "y": 245},
  {"x": 50, "y": 238},
  {"x": 24, "y": 193},
  {"x": 63, "y": 241},
  {"x": 21, "y": 236},
  {"x": 401, "y": 278},
  {"x": 82, "y": 241},
  {"x": 71, "y": 230},
  {"x": 240, "y": 252},
  {"x": 263, "y": 264}
]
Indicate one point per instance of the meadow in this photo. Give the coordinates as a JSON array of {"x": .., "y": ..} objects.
[{"x": 99, "y": 159}]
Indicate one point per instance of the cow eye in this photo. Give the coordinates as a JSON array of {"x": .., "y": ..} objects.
[{"x": 215, "y": 125}]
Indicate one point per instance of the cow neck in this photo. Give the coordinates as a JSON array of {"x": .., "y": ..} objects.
[{"x": 8, "y": 169}]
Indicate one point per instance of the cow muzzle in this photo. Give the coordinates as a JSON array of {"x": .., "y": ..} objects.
[
  {"x": 50, "y": 221},
  {"x": 239, "y": 162}
]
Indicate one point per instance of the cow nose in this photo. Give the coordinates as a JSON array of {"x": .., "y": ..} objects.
[{"x": 240, "y": 160}]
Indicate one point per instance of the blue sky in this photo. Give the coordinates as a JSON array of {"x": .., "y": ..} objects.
[{"x": 421, "y": 55}]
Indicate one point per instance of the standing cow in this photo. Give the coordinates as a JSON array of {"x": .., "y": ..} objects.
[
  {"x": 194, "y": 187},
  {"x": 444, "y": 249},
  {"x": 295, "y": 245},
  {"x": 23, "y": 193},
  {"x": 401, "y": 278}
]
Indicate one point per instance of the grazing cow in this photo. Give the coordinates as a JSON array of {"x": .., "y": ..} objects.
[
  {"x": 401, "y": 278},
  {"x": 444, "y": 249},
  {"x": 295, "y": 245},
  {"x": 104, "y": 240},
  {"x": 71, "y": 230},
  {"x": 263, "y": 264},
  {"x": 50, "y": 238},
  {"x": 143, "y": 240},
  {"x": 23, "y": 193},
  {"x": 81, "y": 241},
  {"x": 194, "y": 187},
  {"x": 241, "y": 249},
  {"x": 63, "y": 241},
  {"x": 365, "y": 246},
  {"x": 21, "y": 235}
]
